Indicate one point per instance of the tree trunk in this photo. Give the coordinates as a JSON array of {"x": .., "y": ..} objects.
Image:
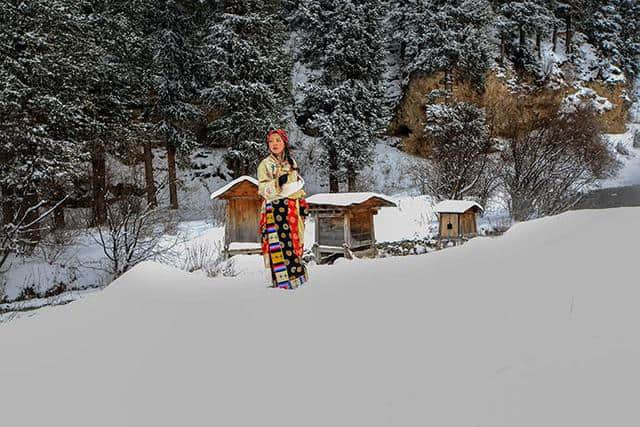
[
  {"x": 8, "y": 206},
  {"x": 351, "y": 181},
  {"x": 99, "y": 185},
  {"x": 539, "y": 44},
  {"x": 173, "y": 190},
  {"x": 568, "y": 34},
  {"x": 59, "y": 222},
  {"x": 448, "y": 83},
  {"x": 334, "y": 186},
  {"x": 502, "y": 49},
  {"x": 148, "y": 175},
  {"x": 555, "y": 38},
  {"x": 7, "y": 202},
  {"x": 33, "y": 232},
  {"x": 523, "y": 38}
]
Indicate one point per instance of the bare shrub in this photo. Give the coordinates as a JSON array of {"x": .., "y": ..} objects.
[
  {"x": 636, "y": 139},
  {"x": 549, "y": 161},
  {"x": 207, "y": 256},
  {"x": 218, "y": 212},
  {"x": 20, "y": 233},
  {"x": 133, "y": 232},
  {"x": 419, "y": 171},
  {"x": 55, "y": 244},
  {"x": 460, "y": 153}
]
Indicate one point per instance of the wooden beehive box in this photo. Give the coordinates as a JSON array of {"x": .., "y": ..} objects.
[
  {"x": 241, "y": 233},
  {"x": 457, "y": 219},
  {"x": 344, "y": 223}
]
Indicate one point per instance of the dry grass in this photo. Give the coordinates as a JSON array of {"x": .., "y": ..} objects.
[{"x": 501, "y": 103}]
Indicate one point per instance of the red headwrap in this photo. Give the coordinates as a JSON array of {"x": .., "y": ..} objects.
[{"x": 282, "y": 133}]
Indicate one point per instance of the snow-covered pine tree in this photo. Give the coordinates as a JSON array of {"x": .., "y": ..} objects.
[
  {"x": 342, "y": 42},
  {"x": 520, "y": 19},
  {"x": 165, "y": 74},
  {"x": 49, "y": 76},
  {"x": 460, "y": 150},
  {"x": 613, "y": 26},
  {"x": 248, "y": 88},
  {"x": 436, "y": 35}
]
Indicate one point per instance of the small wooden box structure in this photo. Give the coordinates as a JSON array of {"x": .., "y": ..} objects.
[
  {"x": 457, "y": 219},
  {"x": 241, "y": 231},
  {"x": 344, "y": 223}
]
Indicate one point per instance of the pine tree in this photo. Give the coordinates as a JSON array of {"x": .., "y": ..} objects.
[
  {"x": 50, "y": 84},
  {"x": 460, "y": 149},
  {"x": 523, "y": 18},
  {"x": 342, "y": 41},
  {"x": 613, "y": 27},
  {"x": 249, "y": 66},
  {"x": 173, "y": 80},
  {"x": 448, "y": 36}
]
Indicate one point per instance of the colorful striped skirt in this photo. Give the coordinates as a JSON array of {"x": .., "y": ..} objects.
[{"x": 282, "y": 243}]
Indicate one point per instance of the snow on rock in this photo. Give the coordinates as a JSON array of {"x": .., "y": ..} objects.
[
  {"x": 586, "y": 95},
  {"x": 537, "y": 327}
]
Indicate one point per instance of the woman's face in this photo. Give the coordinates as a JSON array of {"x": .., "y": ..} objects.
[{"x": 276, "y": 145}]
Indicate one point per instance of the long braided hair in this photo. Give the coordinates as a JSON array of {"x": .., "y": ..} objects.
[{"x": 287, "y": 152}]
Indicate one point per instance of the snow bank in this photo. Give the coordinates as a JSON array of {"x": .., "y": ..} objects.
[{"x": 537, "y": 327}]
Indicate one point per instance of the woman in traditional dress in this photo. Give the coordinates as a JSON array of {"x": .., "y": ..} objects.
[{"x": 283, "y": 213}]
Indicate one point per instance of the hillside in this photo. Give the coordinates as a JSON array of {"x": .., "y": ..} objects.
[{"x": 537, "y": 327}]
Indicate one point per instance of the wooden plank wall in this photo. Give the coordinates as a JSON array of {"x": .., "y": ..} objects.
[
  {"x": 244, "y": 217},
  {"x": 330, "y": 230}
]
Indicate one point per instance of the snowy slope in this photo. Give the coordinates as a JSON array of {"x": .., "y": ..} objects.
[{"x": 535, "y": 328}]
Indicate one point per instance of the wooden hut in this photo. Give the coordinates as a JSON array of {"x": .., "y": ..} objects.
[
  {"x": 344, "y": 223},
  {"x": 241, "y": 231},
  {"x": 457, "y": 219}
]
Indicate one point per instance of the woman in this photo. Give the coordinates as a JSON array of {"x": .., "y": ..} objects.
[{"x": 283, "y": 213}]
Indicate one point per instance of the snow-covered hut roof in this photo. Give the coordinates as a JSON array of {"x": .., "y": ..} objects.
[
  {"x": 233, "y": 184},
  {"x": 349, "y": 199},
  {"x": 456, "y": 206}
]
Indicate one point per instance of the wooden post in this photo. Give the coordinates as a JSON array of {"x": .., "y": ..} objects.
[
  {"x": 347, "y": 235},
  {"x": 347, "y": 229},
  {"x": 316, "y": 252},
  {"x": 373, "y": 233},
  {"x": 316, "y": 232},
  {"x": 227, "y": 231}
]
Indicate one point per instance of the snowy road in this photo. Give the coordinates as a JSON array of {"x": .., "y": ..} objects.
[{"x": 615, "y": 197}]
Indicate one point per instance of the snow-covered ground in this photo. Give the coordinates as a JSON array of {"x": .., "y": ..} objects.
[
  {"x": 197, "y": 246},
  {"x": 79, "y": 263},
  {"x": 537, "y": 327},
  {"x": 629, "y": 173}
]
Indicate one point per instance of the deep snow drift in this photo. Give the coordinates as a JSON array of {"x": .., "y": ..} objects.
[{"x": 534, "y": 328}]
